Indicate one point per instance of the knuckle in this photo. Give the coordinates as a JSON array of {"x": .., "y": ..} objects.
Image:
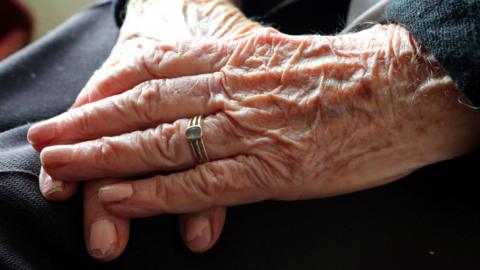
[
  {"x": 213, "y": 180},
  {"x": 82, "y": 120},
  {"x": 153, "y": 58},
  {"x": 145, "y": 100},
  {"x": 150, "y": 91},
  {"x": 222, "y": 84},
  {"x": 267, "y": 35},
  {"x": 104, "y": 154},
  {"x": 235, "y": 176},
  {"x": 167, "y": 144},
  {"x": 269, "y": 31},
  {"x": 227, "y": 127},
  {"x": 120, "y": 110}
]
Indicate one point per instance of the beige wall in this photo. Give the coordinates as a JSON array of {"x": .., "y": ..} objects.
[{"x": 50, "y": 13}]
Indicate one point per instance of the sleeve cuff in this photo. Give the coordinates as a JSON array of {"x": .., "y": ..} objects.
[{"x": 448, "y": 29}]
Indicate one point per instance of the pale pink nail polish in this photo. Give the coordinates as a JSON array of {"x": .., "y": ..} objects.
[
  {"x": 198, "y": 232},
  {"x": 53, "y": 186},
  {"x": 116, "y": 193},
  {"x": 42, "y": 133},
  {"x": 50, "y": 186},
  {"x": 103, "y": 239},
  {"x": 56, "y": 156}
]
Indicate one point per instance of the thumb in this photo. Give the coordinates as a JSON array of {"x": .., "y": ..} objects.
[
  {"x": 201, "y": 230},
  {"x": 106, "y": 236}
]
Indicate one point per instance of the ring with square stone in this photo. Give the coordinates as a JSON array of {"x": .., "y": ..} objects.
[{"x": 194, "y": 134}]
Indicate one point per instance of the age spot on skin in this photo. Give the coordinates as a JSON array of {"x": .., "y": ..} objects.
[{"x": 421, "y": 130}]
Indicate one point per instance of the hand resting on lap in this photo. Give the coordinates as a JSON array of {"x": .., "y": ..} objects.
[
  {"x": 147, "y": 22},
  {"x": 285, "y": 117}
]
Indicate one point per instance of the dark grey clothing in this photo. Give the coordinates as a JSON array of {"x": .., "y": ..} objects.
[
  {"x": 450, "y": 30},
  {"x": 429, "y": 220}
]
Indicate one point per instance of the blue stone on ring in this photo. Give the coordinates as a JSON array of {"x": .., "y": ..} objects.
[{"x": 193, "y": 133}]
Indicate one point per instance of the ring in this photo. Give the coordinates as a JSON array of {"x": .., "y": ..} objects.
[{"x": 194, "y": 134}]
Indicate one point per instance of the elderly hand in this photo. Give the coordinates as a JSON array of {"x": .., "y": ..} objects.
[
  {"x": 147, "y": 22},
  {"x": 285, "y": 117}
]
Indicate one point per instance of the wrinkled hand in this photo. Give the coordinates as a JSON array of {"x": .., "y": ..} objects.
[
  {"x": 147, "y": 23},
  {"x": 286, "y": 118}
]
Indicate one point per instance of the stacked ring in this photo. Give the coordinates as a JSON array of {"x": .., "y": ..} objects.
[{"x": 194, "y": 134}]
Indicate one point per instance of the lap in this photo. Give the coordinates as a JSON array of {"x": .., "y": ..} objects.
[{"x": 429, "y": 219}]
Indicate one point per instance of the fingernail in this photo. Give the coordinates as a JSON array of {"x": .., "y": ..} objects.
[
  {"x": 103, "y": 238},
  {"x": 198, "y": 232},
  {"x": 53, "y": 186},
  {"x": 42, "y": 133},
  {"x": 116, "y": 193},
  {"x": 56, "y": 156}
]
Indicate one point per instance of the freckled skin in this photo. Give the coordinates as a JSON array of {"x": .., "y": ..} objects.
[
  {"x": 286, "y": 117},
  {"x": 141, "y": 28},
  {"x": 323, "y": 115}
]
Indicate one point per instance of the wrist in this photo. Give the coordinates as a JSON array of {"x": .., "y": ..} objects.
[
  {"x": 393, "y": 60},
  {"x": 393, "y": 106},
  {"x": 409, "y": 94},
  {"x": 426, "y": 98}
]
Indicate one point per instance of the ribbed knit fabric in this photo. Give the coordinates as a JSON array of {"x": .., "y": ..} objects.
[{"x": 450, "y": 30}]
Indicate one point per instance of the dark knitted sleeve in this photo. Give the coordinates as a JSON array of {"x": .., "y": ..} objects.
[
  {"x": 450, "y": 30},
  {"x": 119, "y": 11}
]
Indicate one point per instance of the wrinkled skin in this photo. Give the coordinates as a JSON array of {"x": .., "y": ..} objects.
[
  {"x": 286, "y": 118},
  {"x": 147, "y": 21}
]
